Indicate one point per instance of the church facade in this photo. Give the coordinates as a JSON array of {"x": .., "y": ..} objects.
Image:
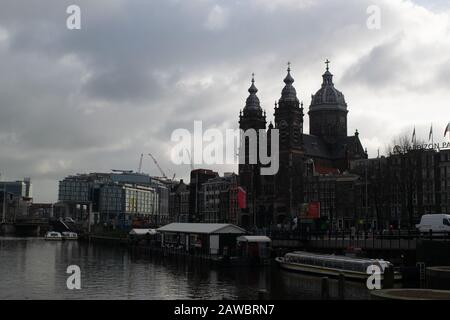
[{"x": 326, "y": 149}]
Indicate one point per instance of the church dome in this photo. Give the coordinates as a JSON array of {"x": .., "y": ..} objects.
[
  {"x": 328, "y": 94},
  {"x": 289, "y": 93},
  {"x": 252, "y": 104}
]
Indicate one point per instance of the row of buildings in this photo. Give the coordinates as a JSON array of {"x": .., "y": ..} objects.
[
  {"x": 405, "y": 185},
  {"x": 127, "y": 199},
  {"x": 385, "y": 192},
  {"x": 326, "y": 179}
]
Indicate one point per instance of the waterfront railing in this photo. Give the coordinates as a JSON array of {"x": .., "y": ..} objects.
[{"x": 392, "y": 239}]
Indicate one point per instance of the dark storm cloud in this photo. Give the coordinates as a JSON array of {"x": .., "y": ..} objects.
[
  {"x": 95, "y": 98},
  {"x": 383, "y": 65}
]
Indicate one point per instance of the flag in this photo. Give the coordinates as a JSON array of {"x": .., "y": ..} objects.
[
  {"x": 431, "y": 133},
  {"x": 314, "y": 210},
  {"x": 447, "y": 129},
  {"x": 242, "y": 198},
  {"x": 414, "y": 135}
]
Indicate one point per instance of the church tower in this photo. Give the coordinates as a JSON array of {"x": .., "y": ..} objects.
[
  {"x": 289, "y": 117},
  {"x": 252, "y": 117},
  {"x": 288, "y": 180},
  {"x": 328, "y": 111}
]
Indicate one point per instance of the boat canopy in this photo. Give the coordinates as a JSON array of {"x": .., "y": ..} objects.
[
  {"x": 253, "y": 239},
  {"x": 335, "y": 262}
]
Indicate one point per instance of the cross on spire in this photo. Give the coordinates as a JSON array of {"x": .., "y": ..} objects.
[
  {"x": 327, "y": 62},
  {"x": 253, "y": 77},
  {"x": 289, "y": 66}
]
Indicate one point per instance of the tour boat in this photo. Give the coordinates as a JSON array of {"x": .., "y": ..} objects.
[
  {"x": 332, "y": 265},
  {"x": 67, "y": 235},
  {"x": 53, "y": 235}
]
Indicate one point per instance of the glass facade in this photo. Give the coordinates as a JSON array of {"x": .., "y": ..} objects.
[{"x": 113, "y": 198}]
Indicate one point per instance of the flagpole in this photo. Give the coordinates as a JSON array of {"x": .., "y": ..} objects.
[
  {"x": 432, "y": 136},
  {"x": 447, "y": 129},
  {"x": 415, "y": 137}
]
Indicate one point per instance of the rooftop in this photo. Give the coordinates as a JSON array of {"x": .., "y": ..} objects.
[{"x": 202, "y": 228}]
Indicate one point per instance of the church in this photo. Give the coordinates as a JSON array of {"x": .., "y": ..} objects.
[{"x": 327, "y": 149}]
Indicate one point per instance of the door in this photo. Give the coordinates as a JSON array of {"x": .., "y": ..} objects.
[{"x": 214, "y": 244}]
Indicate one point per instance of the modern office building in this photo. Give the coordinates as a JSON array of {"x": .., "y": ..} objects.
[
  {"x": 17, "y": 188},
  {"x": 15, "y": 199},
  {"x": 115, "y": 198},
  {"x": 121, "y": 203}
]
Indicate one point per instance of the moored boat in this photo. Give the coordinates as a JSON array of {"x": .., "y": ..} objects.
[
  {"x": 333, "y": 265},
  {"x": 67, "y": 235},
  {"x": 53, "y": 235}
]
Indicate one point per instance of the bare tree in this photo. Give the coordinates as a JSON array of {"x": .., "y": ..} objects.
[{"x": 401, "y": 144}]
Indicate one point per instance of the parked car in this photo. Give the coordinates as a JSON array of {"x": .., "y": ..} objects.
[{"x": 434, "y": 223}]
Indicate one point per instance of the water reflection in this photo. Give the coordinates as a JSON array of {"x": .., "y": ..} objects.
[{"x": 32, "y": 268}]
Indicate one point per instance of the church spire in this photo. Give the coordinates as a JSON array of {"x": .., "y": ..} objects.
[
  {"x": 252, "y": 116},
  {"x": 253, "y": 89},
  {"x": 252, "y": 104},
  {"x": 327, "y": 76},
  {"x": 289, "y": 80},
  {"x": 289, "y": 93}
]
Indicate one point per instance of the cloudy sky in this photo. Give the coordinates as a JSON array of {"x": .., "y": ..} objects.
[{"x": 94, "y": 99}]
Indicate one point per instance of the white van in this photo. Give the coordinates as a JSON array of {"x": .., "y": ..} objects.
[{"x": 434, "y": 222}]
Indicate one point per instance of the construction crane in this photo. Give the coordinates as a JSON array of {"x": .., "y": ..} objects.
[
  {"x": 140, "y": 164},
  {"x": 190, "y": 158},
  {"x": 159, "y": 167}
]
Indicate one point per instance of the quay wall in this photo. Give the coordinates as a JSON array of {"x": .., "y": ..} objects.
[
  {"x": 7, "y": 229},
  {"x": 433, "y": 253}
]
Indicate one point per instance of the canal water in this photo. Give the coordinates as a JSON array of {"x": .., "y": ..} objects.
[{"x": 32, "y": 268}]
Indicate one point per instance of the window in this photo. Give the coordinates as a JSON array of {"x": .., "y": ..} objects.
[{"x": 446, "y": 222}]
